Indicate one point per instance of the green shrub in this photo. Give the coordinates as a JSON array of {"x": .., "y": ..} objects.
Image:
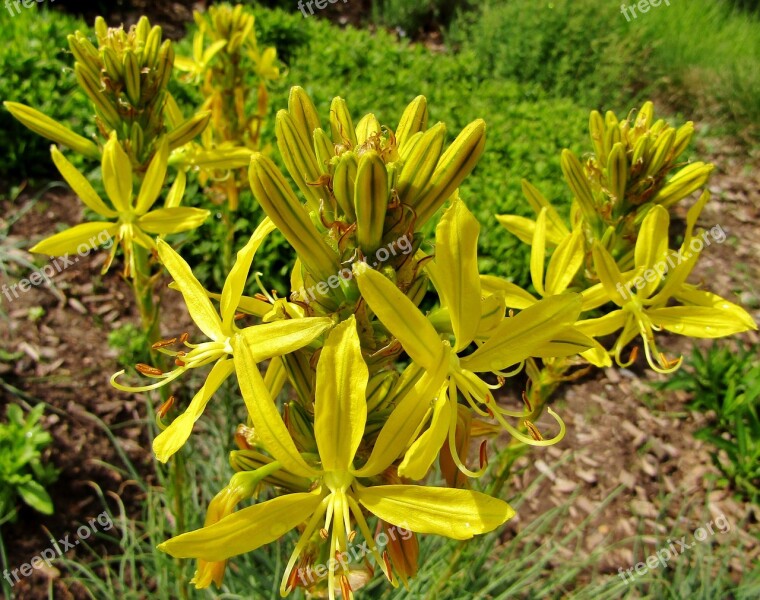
[
  {"x": 713, "y": 73},
  {"x": 36, "y": 69},
  {"x": 582, "y": 49},
  {"x": 22, "y": 472}
]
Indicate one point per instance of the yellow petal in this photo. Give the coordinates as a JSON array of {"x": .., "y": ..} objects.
[
  {"x": 605, "y": 325},
  {"x": 566, "y": 342},
  {"x": 457, "y": 514},
  {"x": 412, "y": 403},
  {"x": 48, "y": 128},
  {"x": 245, "y": 530},
  {"x": 166, "y": 221},
  {"x": 537, "y": 203},
  {"x": 175, "y": 435},
  {"x": 154, "y": 179},
  {"x": 652, "y": 246},
  {"x": 517, "y": 337},
  {"x": 340, "y": 407},
  {"x": 708, "y": 299},
  {"x": 174, "y": 197},
  {"x": 423, "y": 452},
  {"x": 456, "y": 257},
  {"x": 117, "y": 175},
  {"x": 75, "y": 240},
  {"x": 401, "y": 317},
  {"x": 609, "y": 275},
  {"x": 235, "y": 282},
  {"x": 198, "y": 304},
  {"x": 80, "y": 185},
  {"x": 270, "y": 429},
  {"x": 538, "y": 253},
  {"x": 697, "y": 321},
  {"x": 282, "y": 337},
  {"x": 514, "y": 295},
  {"x": 564, "y": 263}
]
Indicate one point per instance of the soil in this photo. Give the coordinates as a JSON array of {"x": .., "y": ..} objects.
[
  {"x": 629, "y": 464},
  {"x": 62, "y": 357}
]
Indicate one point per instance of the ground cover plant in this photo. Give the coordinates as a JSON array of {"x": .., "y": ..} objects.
[{"x": 386, "y": 326}]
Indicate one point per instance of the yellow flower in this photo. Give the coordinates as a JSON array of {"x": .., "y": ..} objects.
[
  {"x": 341, "y": 493},
  {"x": 643, "y": 294},
  {"x": 543, "y": 329},
  {"x": 130, "y": 218},
  {"x": 263, "y": 341}
]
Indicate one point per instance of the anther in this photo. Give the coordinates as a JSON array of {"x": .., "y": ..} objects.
[
  {"x": 183, "y": 338},
  {"x": 323, "y": 533},
  {"x": 148, "y": 370},
  {"x": 165, "y": 407},
  {"x": 534, "y": 432},
  {"x": 345, "y": 587},
  {"x": 484, "y": 454},
  {"x": 163, "y": 343},
  {"x": 527, "y": 402},
  {"x": 387, "y": 561}
]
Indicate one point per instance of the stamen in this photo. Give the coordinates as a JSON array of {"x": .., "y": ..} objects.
[
  {"x": 484, "y": 454},
  {"x": 345, "y": 587},
  {"x": 164, "y": 343},
  {"x": 292, "y": 580},
  {"x": 534, "y": 432},
  {"x": 267, "y": 297},
  {"x": 526, "y": 401},
  {"x": 387, "y": 561},
  {"x": 183, "y": 338},
  {"x": 148, "y": 370},
  {"x": 165, "y": 407}
]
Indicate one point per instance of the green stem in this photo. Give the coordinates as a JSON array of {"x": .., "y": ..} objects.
[{"x": 142, "y": 285}]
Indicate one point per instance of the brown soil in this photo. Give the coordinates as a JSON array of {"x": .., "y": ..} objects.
[
  {"x": 63, "y": 359},
  {"x": 627, "y": 441}
]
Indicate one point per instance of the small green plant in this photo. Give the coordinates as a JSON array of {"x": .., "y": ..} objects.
[
  {"x": 727, "y": 383},
  {"x": 131, "y": 343},
  {"x": 22, "y": 472}
]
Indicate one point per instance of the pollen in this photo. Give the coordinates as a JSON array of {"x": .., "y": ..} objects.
[
  {"x": 345, "y": 587},
  {"x": 484, "y": 454},
  {"x": 526, "y": 401},
  {"x": 534, "y": 432},
  {"x": 148, "y": 370},
  {"x": 165, "y": 407},
  {"x": 164, "y": 343}
]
